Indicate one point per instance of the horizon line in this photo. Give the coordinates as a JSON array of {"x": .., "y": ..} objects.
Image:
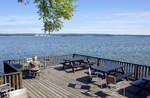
[{"x": 5, "y": 34}]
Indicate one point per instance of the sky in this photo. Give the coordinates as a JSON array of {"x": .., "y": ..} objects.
[{"x": 91, "y": 16}]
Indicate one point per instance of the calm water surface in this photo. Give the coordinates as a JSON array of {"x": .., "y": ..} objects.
[{"x": 134, "y": 49}]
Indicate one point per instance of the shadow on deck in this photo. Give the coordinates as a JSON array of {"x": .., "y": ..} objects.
[{"x": 54, "y": 82}]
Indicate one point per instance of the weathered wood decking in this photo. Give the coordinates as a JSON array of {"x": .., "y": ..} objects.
[{"x": 56, "y": 83}]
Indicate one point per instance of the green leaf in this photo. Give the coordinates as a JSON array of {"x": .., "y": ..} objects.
[{"x": 52, "y": 12}]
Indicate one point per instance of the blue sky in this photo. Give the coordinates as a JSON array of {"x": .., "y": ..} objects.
[{"x": 92, "y": 16}]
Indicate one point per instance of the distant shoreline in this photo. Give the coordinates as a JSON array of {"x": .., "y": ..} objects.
[
  {"x": 17, "y": 34},
  {"x": 30, "y": 34}
]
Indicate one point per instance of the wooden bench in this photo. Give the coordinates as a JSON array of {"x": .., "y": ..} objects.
[
  {"x": 114, "y": 80},
  {"x": 124, "y": 76},
  {"x": 65, "y": 64},
  {"x": 139, "y": 82},
  {"x": 82, "y": 64},
  {"x": 85, "y": 64}
]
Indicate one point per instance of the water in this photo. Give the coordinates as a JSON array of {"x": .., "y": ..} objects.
[{"x": 134, "y": 49}]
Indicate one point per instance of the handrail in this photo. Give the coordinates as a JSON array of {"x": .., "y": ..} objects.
[
  {"x": 14, "y": 76},
  {"x": 138, "y": 70},
  {"x": 107, "y": 59},
  {"x": 14, "y": 79},
  {"x": 11, "y": 75},
  {"x": 15, "y": 60}
]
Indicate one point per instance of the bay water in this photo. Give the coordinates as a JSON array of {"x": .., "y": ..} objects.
[{"x": 134, "y": 49}]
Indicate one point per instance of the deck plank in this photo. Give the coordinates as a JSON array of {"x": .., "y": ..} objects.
[
  {"x": 37, "y": 90},
  {"x": 62, "y": 90},
  {"x": 40, "y": 88},
  {"x": 53, "y": 83},
  {"x": 31, "y": 90}
]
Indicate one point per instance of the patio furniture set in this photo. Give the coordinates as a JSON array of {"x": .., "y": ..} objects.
[{"x": 113, "y": 73}]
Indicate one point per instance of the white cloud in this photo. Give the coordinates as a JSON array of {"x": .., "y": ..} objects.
[
  {"x": 145, "y": 14},
  {"x": 19, "y": 20},
  {"x": 22, "y": 24},
  {"x": 117, "y": 23},
  {"x": 113, "y": 23}
]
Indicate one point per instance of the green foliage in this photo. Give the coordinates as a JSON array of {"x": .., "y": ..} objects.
[{"x": 53, "y": 12}]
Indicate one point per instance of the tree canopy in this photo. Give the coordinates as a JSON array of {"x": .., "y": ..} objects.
[{"x": 53, "y": 12}]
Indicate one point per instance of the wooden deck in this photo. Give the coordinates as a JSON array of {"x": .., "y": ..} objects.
[{"x": 57, "y": 83}]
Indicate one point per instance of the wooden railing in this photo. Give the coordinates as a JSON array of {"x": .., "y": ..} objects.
[
  {"x": 139, "y": 71},
  {"x": 14, "y": 79},
  {"x": 11, "y": 75},
  {"x": 45, "y": 61}
]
